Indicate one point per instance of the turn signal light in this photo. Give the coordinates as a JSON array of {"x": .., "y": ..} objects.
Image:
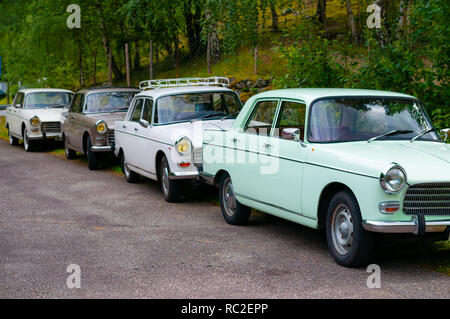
[
  {"x": 184, "y": 165},
  {"x": 389, "y": 207}
]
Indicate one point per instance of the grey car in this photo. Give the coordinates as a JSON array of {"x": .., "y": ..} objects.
[{"x": 88, "y": 126}]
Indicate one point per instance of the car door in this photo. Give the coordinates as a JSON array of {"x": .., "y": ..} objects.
[
  {"x": 73, "y": 123},
  {"x": 250, "y": 155},
  {"x": 13, "y": 114},
  {"x": 145, "y": 157},
  {"x": 286, "y": 183},
  {"x": 131, "y": 142}
]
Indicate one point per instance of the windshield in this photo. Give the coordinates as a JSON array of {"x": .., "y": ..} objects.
[
  {"x": 47, "y": 99},
  {"x": 359, "y": 119},
  {"x": 109, "y": 102},
  {"x": 188, "y": 107}
]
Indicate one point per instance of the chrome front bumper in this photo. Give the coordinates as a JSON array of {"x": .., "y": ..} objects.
[
  {"x": 97, "y": 149},
  {"x": 184, "y": 175},
  {"x": 415, "y": 226},
  {"x": 57, "y": 136}
]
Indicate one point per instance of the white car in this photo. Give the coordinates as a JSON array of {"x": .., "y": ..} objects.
[
  {"x": 35, "y": 114},
  {"x": 162, "y": 135}
]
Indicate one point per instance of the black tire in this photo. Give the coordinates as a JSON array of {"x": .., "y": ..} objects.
[
  {"x": 91, "y": 156},
  {"x": 130, "y": 176},
  {"x": 233, "y": 212},
  {"x": 70, "y": 154},
  {"x": 170, "y": 188},
  {"x": 12, "y": 140},
  {"x": 348, "y": 242},
  {"x": 28, "y": 145}
]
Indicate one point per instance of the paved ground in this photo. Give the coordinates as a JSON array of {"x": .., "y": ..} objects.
[{"x": 130, "y": 243}]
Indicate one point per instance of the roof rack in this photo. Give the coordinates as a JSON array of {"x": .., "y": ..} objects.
[{"x": 157, "y": 84}]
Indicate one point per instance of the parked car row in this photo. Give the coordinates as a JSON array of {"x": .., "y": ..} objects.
[{"x": 354, "y": 162}]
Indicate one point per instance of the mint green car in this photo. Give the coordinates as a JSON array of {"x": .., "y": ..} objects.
[{"x": 356, "y": 162}]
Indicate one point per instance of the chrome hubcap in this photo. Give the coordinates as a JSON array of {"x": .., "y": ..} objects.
[
  {"x": 342, "y": 229},
  {"x": 25, "y": 140},
  {"x": 229, "y": 199},
  {"x": 165, "y": 178}
]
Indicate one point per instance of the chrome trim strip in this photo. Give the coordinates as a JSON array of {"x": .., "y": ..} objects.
[{"x": 275, "y": 206}]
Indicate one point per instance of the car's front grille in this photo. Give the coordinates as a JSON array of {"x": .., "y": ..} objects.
[
  {"x": 198, "y": 156},
  {"x": 431, "y": 199},
  {"x": 111, "y": 139},
  {"x": 51, "y": 127}
]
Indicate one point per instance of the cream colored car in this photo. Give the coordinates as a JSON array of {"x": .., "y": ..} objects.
[{"x": 35, "y": 115}]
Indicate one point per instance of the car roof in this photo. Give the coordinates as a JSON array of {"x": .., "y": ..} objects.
[
  {"x": 182, "y": 89},
  {"x": 109, "y": 89},
  {"x": 311, "y": 94},
  {"x": 37, "y": 90}
]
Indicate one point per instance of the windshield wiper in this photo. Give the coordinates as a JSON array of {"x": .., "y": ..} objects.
[
  {"x": 423, "y": 133},
  {"x": 391, "y": 133},
  {"x": 120, "y": 110},
  {"x": 230, "y": 115},
  {"x": 207, "y": 115},
  {"x": 60, "y": 106}
]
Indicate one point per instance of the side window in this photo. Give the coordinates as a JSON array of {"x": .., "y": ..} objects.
[
  {"x": 262, "y": 118},
  {"x": 292, "y": 115},
  {"x": 136, "y": 116},
  {"x": 148, "y": 110},
  {"x": 77, "y": 105},
  {"x": 18, "y": 101}
]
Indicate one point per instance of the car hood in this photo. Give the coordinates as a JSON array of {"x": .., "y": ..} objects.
[
  {"x": 194, "y": 131},
  {"x": 45, "y": 115},
  {"x": 422, "y": 161},
  {"x": 109, "y": 118}
]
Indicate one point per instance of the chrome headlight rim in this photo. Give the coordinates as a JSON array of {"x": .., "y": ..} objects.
[
  {"x": 179, "y": 140},
  {"x": 35, "y": 118},
  {"x": 103, "y": 132},
  {"x": 384, "y": 174}
]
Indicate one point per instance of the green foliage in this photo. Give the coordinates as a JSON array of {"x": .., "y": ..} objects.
[{"x": 310, "y": 62}]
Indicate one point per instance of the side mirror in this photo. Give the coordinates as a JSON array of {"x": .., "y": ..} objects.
[
  {"x": 445, "y": 133},
  {"x": 292, "y": 134},
  {"x": 144, "y": 123}
]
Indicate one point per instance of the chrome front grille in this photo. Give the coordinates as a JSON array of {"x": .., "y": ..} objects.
[
  {"x": 111, "y": 139},
  {"x": 51, "y": 127},
  {"x": 198, "y": 156},
  {"x": 432, "y": 199}
]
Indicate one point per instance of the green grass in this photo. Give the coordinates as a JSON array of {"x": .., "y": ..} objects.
[{"x": 3, "y": 130}]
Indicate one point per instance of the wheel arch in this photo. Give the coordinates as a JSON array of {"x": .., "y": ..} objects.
[
  {"x": 219, "y": 176},
  {"x": 85, "y": 139},
  {"x": 325, "y": 197},
  {"x": 159, "y": 156}
]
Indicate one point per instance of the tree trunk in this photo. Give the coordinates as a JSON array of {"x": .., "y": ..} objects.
[
  {"x": 95, "y": 66},
  {"x": 110, "y": 72},
  {"x": 208, "y": 54},
  {"x": 137, "y": 57},
  {"x": 177, "y": 58},
  {"x": 107, "y": 44},
  {"x": 255, "y": 60},
  {"x": 151, "y": 59},
  {"x": 127, "y": 64},
  {"x": 351, "y": 22},
  {"x": 273, "y": 11},
  {"x": 322, "y": 11},
  {"x": 80, "y": 61}
]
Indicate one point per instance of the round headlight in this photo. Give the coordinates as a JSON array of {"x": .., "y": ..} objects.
[
  {"x": 101, "y": 127},
  {"x": 393, "y": 179},
  {"x": 35, "y": 121},
  {"x": 183, "y": 145}
]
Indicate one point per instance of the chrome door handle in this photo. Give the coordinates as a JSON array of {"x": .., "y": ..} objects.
[
  {"x": 234, "y": 140},
  {"x": 136, "y": 129},
  {"x": 267, "y": 145},
  {"x": 124, "y": 126}
]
